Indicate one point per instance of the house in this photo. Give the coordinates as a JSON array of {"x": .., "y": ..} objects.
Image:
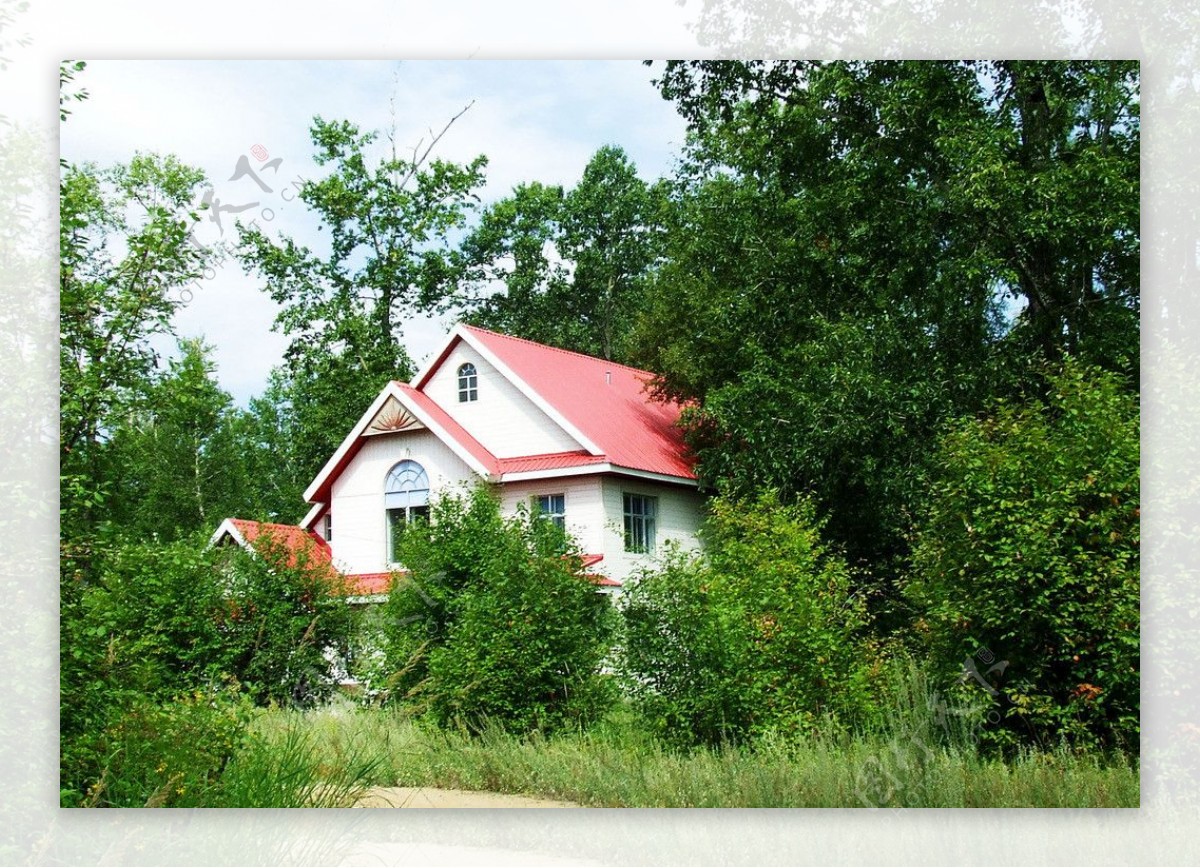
[{"x": 575, "y": 437}]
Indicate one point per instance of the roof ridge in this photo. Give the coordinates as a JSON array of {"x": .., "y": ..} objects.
[{"x": 560, "y": 350}]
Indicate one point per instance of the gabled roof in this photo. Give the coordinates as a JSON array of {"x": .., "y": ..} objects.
[
  {"x": 301, "y": 545},
  {"x": 604, "y": 405}
]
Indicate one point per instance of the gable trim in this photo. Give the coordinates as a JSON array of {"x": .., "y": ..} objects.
[
  {"x": 595, "y": 469},
  {"x": 351, "y": 443}
]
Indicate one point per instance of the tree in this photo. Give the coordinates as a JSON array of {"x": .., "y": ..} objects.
[
  {"x": 1028, "y": 550},
  {"x": 182, "y": 460},
  {"x": 859, "y": 251},
  {"x": 126, "y": 251},
  {"x": 765, "y": 634},
  {"x": 388, "y": 221},
  {"x": 572, "y": 264}
]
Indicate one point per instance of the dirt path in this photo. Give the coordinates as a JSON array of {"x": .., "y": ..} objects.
[{"x": 429, "y": 797}]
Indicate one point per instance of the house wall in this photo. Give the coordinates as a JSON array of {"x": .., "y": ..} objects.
[
  {"x": 680, "y": 513},
  {"x": 506, "y": 422},
  {"x": 583, "y": 502},
  {"x": 359, "y": 521}
]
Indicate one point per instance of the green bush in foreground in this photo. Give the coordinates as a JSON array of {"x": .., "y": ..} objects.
[
  {"x": 162, "y": 649},
  {"x": 1025, "y": 568},
  {"x": 763, "y": 635},
  {"x": 495, "y": 621}
]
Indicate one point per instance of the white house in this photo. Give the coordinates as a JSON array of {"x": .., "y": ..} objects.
[{"x": 574, "y": 436}]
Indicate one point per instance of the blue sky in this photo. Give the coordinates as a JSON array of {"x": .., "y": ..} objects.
[{"x": 535, "y": 120}]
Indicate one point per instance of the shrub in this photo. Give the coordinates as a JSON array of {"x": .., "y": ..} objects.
[
  {"x": 1025, "y": 565},
  {"x": 282, "y": 616},
  {"x": 495, "y": 622},
  {"x": 764, "y": 634},
  {"x": 144, "y": 623},
  {"x": 158, "y": 754}
]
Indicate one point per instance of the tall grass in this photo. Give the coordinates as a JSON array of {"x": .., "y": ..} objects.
[
  {"x": 618, "y": 765},
  {"x": 290, "y": 769}
]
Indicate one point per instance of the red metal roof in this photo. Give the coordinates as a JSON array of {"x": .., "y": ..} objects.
[
  {"x": 549, "y": 461},
  {"x": 460, "y": 434},
  {"x": 368, "y": 584},
  {"x": 302, "y": 545},
  {"x": 607, "y": 402}
]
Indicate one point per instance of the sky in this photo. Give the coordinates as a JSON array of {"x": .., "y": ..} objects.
[{"x": 535, "y": 120}]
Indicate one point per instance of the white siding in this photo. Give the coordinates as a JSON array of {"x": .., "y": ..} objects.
[
  {"x": 583, "y": 502},
  {"x": 506, "y": 422},
  {"x": 359, "y": 522},
  {"x": 680, "y": 512}
]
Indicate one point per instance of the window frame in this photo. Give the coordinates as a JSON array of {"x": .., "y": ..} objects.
[
  {"x": 405, "y": 497},
  {"x": 559, "y": 517},
  {"x": 468, "y": 383},
  {"x": 641, "y": 524}
]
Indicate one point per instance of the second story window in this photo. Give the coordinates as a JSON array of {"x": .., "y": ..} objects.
[
  {"x": 552, "y": 507},
  {"x": 468, "y": 383},
  {"x": 640, "y": 514}
]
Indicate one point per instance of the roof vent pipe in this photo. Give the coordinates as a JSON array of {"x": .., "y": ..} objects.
[{"x": 608, "y": 377}]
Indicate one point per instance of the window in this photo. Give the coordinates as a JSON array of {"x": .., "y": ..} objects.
[
  {"x": 328, "y": 527},
  {"x": 468, "y": 383},
  {"x": 405, "y": 498},
  {"x": 552, "y": 507},
  {"x": 639, "y": 522}
]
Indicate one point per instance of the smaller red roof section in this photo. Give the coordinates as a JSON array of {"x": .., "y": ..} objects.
[
  {"x": 595, "y": 578},
  {"x": 295, "y": 539},
  {"x": 608, "y": 403},
  {"x": 549, "y": 461},
  {"x": 369, "y": 584}
]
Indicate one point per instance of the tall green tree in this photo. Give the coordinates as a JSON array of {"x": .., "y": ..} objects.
[
  {"x": 860, "y": 251},
  {"x": 178, "y": 462},
  {"x": 388, "y": 219},
  {"x": 126, "y": 253},
  {"x": 572, "y": 264}
]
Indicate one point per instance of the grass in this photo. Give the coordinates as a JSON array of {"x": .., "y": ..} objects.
[{"x": 618, "y": 765}]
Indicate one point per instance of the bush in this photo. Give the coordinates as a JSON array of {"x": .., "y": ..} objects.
[
  {"x": 1025, "y": 565},
  {"x": 762, "y": 635},
  {"x": 494, "y": 622},
  {"x": 281, "y": 619},
  {"x": 144, "y": 623},
  {"x": 159, "y": 754}
]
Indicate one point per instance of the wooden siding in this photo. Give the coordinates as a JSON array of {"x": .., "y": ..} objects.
[
  {"x": 506, "y": 422},
  {"x": 583, "y": 502},
  {"x": 680, "y": 512},
  {"x": 359, "y": 522}
]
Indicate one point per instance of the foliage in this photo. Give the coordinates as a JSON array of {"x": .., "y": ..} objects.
[
  {"x": 765, "y": 635},
  {"x": 143, "y": 624},
  {"x": 125, "y": 250},
  {"x": 573, "y": 264},
  {"x": 157, "y": 754},
  {"x": 495, "y": 622},
  {"x": 176, "y": 462},
  {"x": 388, "y": 221},
  {"x": 858, "y": 251},
  {"x": 617, "y": 763},
  {"x": 1029, "y": 548}
]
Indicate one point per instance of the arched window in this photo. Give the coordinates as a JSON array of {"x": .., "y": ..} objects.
[
  {"x": 468, "y": 383},
  {"x": 405, "y": 498}
]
